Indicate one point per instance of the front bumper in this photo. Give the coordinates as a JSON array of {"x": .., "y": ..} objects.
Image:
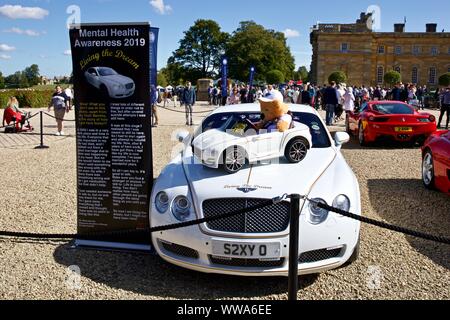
[{"x": 322, "y": 248}]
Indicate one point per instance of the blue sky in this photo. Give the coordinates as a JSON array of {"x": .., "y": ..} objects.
[{"x": 35, "y": 32}]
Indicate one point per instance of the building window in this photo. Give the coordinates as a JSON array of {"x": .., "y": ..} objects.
[
  {"x": 432, "y": 76},
  {"x": 344, "y": 47},
  {"x": 416, "y": 50},
  {"x": 398, "y": 50},
  {"x": 398, "y": 69},
  {"x": 380, "y": 74},
  {"x": 381, "y": 49},
  {"x": 434, "y": 51},
  {"x": 415, "y": 75}
]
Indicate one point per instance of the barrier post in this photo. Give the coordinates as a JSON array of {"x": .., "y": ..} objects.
[
  {"x": 293, "y": 247},
  {"x": 42, "y": 146}
]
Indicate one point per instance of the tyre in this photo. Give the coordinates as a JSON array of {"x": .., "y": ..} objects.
[
  {"x": 296, "y": 150},
  {"x": 234, "y": 159},
  {"x": 428, "y": 178},
  {"x": 361, "y": 136}
]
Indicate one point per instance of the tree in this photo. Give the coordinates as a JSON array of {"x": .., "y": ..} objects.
[
  {"x": 162, "y": 80},
  {"x": 302, "y": 74},
  {"x": 338, "y": 77},
  {"x": 275, "y": 77},
  {"x": 201, "y": 49},
  {"x": 444, "y": 80},
  {"x": 392, "y": 77},
  {"x": 251, "y": 45},
  {"x": 32, "y": 75},
  {"x": 13, "y": 80},
  {"x": 2, "y": 81}
]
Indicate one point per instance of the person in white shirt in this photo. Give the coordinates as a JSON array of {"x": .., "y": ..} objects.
[{"x": 349, "y": 101}]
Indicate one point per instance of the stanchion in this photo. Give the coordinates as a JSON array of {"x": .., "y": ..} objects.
[
  {"x": 42, "y": 146},
  {"x": 293, "y": 247}
]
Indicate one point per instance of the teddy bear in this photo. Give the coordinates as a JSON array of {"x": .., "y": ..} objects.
[{"x": 276, "y": 115}]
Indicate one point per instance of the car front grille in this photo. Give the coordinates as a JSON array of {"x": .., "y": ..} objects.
[
  {"x": 319, "y": 255},
  {"x": 271, "y": 219},
  {"x": 247, "y": 263},
  {"x": 129, "y": 86},
  {"x": 179, "y": 250}
]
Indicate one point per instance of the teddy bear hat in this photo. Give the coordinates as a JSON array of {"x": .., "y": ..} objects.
[{"x": 274, "y": 95}]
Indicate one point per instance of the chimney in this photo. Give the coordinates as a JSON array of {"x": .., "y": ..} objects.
[
  {"x": 431, "y": 27},
  {"x": 399, "y": 27}
]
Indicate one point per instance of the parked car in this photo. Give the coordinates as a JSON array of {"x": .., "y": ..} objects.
[
  {"x": 187, "y": 190},
  {"x": 436, "y": 162},
  {"x": 110, "y": 83},
  {"x": 393, "y": 120},
  {"x": 238, "y": 142}
]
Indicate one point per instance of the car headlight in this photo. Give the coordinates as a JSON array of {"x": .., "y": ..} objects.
[
  {"x": 317, "y": 214},
  {"x": 342, "y": 202},
  {"x": 181, "y": 208},
  {"x": 162, "y": 202}
]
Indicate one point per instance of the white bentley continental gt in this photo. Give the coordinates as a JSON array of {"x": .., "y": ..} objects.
[
  {"x": 110, "y": 83},
  {"x": 257, "y": 243}
]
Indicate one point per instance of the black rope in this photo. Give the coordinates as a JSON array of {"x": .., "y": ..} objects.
[
  {"x": 47, "y": 114},
  {"x": 99, "y": 235},
  {"x": 383, "y": 225},
  {"x": 179, "y": 111}
]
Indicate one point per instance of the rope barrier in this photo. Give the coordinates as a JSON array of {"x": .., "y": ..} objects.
[
  {"x": 184, "y": 112},
  {"x": 250, "y": 210},
  {"x": 49, "y": 115}
]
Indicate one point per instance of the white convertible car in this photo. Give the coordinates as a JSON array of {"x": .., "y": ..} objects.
[
  {"x": 238, "y": 142},
  {"x": 110, "y": 83},
  {"x": 257, "y": 244}
]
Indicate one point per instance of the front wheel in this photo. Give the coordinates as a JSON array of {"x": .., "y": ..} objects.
[
  {"x": 296, "y": 150},
  {"x": 234, "y": 159},
  {"x": 428, "y": 170}
]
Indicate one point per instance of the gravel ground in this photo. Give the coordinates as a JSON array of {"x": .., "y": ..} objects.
[{"x": 39, "y": 195}]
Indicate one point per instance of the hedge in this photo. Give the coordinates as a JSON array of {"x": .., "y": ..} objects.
[{"x": 27, "y": 98}]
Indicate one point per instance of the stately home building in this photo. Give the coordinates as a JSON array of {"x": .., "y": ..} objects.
[{"x": 365, "y": 56}]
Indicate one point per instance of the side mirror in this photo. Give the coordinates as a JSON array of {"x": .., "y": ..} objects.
[
  {"x": 341, "y": 138},
  {"x": 181, "y": 136}
]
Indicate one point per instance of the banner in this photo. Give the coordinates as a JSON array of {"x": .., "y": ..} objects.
[
  {"x": 154, "y": 35},
  {"x": 252, "y": 77},
  {"x": 224, "y": 77},
  {"x": 111, "y": 66}
]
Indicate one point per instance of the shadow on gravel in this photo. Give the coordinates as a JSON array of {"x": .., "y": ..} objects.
[
  {"x": 353, "y": 144},
  {"x": 407, "y": 203},
  {"x": 149, "y": 275}
]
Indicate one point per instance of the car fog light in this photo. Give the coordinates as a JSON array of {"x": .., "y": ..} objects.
[
  {"x": 317, "y": 214},
  {"x": 342, "y": 202},
  {"x": 181, "y": 208},
  {"x": 162, "y": 202}
]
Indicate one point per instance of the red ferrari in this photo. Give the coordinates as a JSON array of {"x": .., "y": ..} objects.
[
  {"x": 394, "y": 120},
  {"x": 436, "y": 162}
]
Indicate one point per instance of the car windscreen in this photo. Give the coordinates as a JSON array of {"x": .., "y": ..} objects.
[
  {"x": 106, "y": 72},
  {"x": 227, "y": 121},
  {"x": 392, "y": 108}
]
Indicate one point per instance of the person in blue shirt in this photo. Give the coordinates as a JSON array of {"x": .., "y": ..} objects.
[
  {"x": 153, "y": 101},
  {"x": 189, "y": 99}
]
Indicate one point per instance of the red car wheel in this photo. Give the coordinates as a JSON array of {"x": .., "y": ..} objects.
[{"x": 428, "y": 170}]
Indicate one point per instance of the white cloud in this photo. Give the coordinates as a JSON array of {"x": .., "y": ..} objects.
[
  {"x": 30, "y": 33},
  {"x": 160, "y": 7},
  {"x": 19, "y": 12},
  {"x": 5, "y": 57},
  {"x": 289, "y": 33},
  {"x": 67, "y": 53},
  {"x": 5, "y": 47}
]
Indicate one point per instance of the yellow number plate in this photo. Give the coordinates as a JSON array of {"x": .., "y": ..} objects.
[{"x": 404, "y": 129}]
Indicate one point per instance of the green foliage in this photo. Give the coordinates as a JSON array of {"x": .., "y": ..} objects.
[
  {"x": 162, "y": 80},
  {"x": 253, "y": 45},
  {"x": 2, "y": 81},
  {"x": 32, "y": 75},
  {"x": 27, "y": 98},
  {"x": 444, "y": 80},
  {"x": 198, "y": 55},
  {"x": 392, "y": 77},
  {"x": 302, "y": 74},
  {"x": 275, "y": 77},
  {"x": 338, "y": 77}
]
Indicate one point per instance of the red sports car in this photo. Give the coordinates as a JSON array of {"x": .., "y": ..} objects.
[
  {"x": 436, "y": 162},
  {"x": 394, "y": 120}
]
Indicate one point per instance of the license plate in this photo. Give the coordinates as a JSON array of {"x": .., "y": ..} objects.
[
  {"x": 403, "y": 129},
  {"x": 247, "y": 250}
]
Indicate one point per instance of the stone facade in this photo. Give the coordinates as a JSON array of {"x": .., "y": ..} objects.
[{"x": 365, "y": 56}]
